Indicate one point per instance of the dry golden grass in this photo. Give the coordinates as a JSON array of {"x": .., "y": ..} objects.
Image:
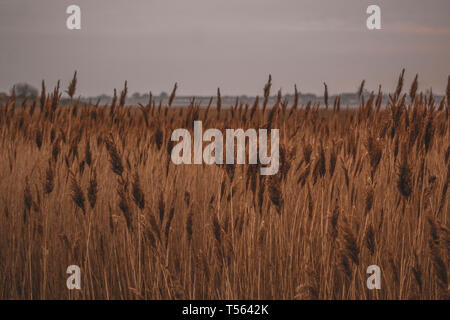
[{"x": 94, "y": 186}]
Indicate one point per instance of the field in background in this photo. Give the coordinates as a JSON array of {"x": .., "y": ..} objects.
[{"x": 93, "y": 186}]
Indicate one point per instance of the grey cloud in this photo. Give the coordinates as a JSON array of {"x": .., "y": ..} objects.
[{"x": 234, "y": 44}]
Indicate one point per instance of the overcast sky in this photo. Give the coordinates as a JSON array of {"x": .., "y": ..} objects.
[{"x": 232, "y": 44}]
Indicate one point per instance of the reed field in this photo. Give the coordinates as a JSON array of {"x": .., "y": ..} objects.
[{"x": 93, "y": 185}]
